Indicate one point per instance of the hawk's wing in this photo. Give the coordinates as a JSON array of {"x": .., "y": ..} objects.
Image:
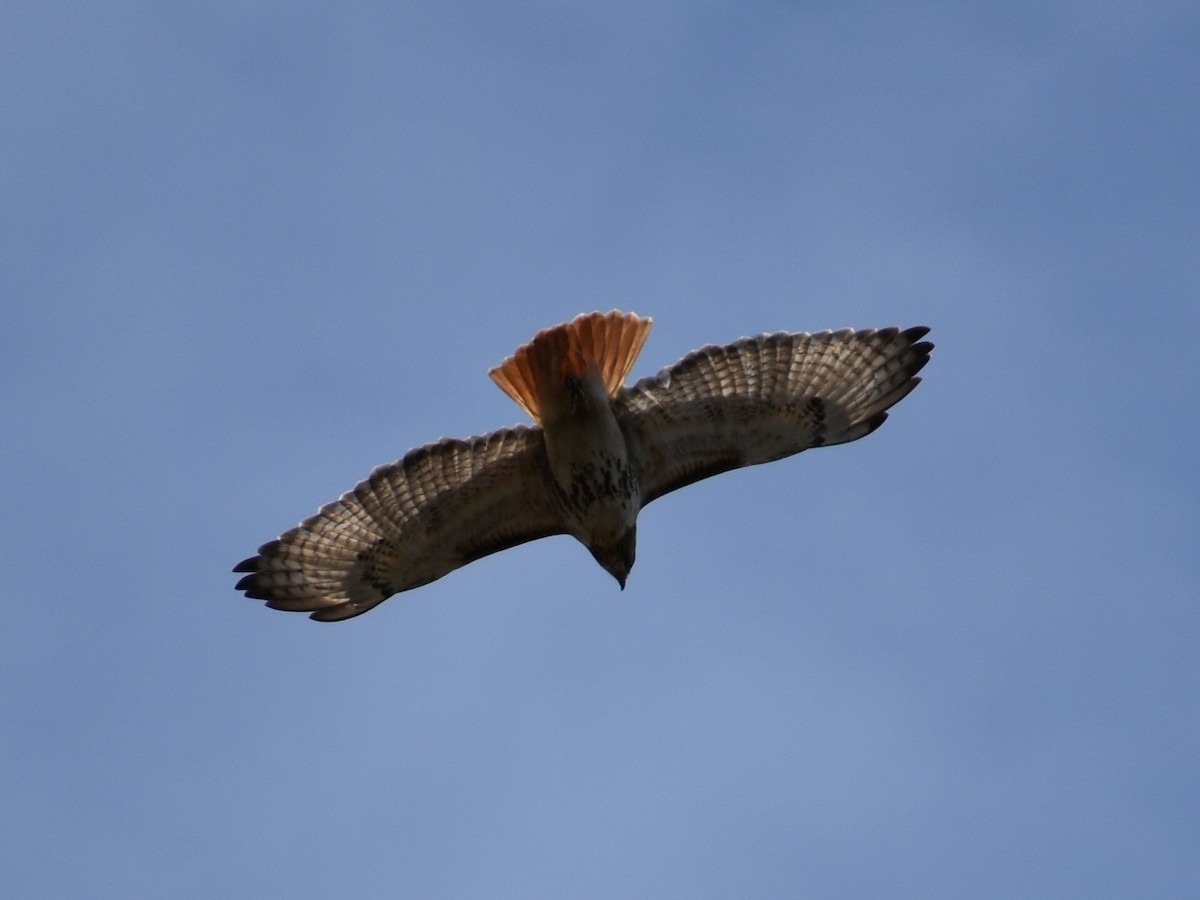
[
  {"x": 410, "y": 522},
  {"x": 764, "y": 398}
]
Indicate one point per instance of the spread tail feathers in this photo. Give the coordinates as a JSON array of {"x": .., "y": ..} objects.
[{"x": 608, "y": 343}]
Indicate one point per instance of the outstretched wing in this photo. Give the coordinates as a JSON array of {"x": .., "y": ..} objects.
[
  {"x": 764, "y": 398},
  {"x": 410, "y": 522}
]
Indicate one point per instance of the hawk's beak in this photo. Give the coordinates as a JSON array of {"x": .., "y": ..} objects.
[{"x": 617, "y": 559}]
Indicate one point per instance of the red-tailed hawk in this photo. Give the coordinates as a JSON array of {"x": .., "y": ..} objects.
[{"x": 599, "y": 453}]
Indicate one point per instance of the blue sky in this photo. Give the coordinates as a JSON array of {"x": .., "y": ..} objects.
[{"x": 248, "y": 251}]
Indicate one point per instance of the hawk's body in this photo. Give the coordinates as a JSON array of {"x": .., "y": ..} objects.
[{"x": 600, "y": 452}]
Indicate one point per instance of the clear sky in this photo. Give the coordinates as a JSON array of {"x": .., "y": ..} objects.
[{"x": 250, "y": 250}]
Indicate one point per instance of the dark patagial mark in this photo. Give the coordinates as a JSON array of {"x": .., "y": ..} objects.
[
  {"x": 814, "y": 411},
  {"x": 370, "y": 573}
]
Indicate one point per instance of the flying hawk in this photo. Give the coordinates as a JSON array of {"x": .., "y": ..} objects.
[{"x": 599, "y": 453}]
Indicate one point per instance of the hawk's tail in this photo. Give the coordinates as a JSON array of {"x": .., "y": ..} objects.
[{"x": 609, "y": 342}]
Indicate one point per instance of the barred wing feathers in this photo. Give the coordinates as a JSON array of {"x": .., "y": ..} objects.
[
  {"x": 410, "y": 522},
  {"x": 764, "y": 398}
]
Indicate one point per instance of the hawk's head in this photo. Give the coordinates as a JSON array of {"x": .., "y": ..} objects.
[{"x": 617, "y": 558}]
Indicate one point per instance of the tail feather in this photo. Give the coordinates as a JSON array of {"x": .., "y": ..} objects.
[{"x": 609, "y": 343}]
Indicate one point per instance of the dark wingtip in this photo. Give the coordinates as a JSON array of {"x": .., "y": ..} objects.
[
  {"x": 247, "y": 565},
  {"x": 250, "y": 587},
  {"x": 921, "y": 349},
  {"x": 875, "y": 421},
  {"x": 914, "y": 334}
]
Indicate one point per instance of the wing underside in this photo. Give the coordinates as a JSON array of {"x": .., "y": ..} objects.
[
  {"x": 764, "y": 398},
  {"x": 409, "y": 523}
]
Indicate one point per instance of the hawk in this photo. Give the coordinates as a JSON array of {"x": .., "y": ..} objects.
[{"x": 598, "y": 453}]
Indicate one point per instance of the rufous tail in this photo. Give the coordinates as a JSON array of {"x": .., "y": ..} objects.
[{"x": 607, "y": 344}]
